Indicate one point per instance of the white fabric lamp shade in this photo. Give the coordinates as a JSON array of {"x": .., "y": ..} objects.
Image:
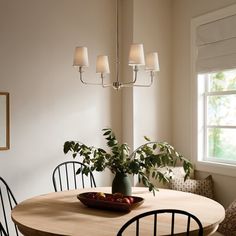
[
  {"x": 102, "y": 65},
  {"x": 81, "y": 57},
  {"x": 136, "y": 55},
  {"x": 152, "y": 62}
]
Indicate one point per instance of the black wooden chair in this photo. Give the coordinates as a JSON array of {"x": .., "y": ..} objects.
[
  {"x": 2, "y": 230},
  {"x": 172, "y": 213},
  {"x": 64, "y": 177},
  {"x": 8, "y": 201}
]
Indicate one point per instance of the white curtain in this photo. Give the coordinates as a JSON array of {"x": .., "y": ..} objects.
[{"x": 216, "y": 45}]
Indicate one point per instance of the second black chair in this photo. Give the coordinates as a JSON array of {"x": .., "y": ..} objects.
[
  {"x": 64, "y": 177},
  {"x": 173, "y": 213}
]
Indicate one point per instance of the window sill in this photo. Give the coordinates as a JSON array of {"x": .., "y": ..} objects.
[{"x": 217, "y": 168}]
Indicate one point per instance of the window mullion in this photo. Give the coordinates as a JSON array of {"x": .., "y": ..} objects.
[
  {"x": 219, "y": 93},
  {"x": 222, "y": 126}
]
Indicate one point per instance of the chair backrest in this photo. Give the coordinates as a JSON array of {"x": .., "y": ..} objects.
[
  {"x": 172, "y": 218},
  {"x": 64, "y": 176},
  {"x": 8, "y": 201},
  {"x": 2, "y": 230}
]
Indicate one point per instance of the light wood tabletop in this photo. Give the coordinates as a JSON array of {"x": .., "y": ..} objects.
[{"x": 61, "y": 213}]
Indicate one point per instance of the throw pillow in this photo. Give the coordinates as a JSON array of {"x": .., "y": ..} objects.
[
  {"x": 228, "y": 225},
  {"x": 202, "y": 187},
  {"x": 177, "y": 172}
]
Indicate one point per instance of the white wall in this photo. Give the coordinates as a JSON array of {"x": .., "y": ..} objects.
[
  {"x": 152, "y": 106},
  {"x": 182, "y": 12},
  {"x": 48, "y": 103},
  {"x": 126, "y": 31},
  {"x": 147, "y": 111}
]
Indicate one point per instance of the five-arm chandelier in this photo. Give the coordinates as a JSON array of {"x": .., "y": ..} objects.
[{"x": 136, "y": 60}]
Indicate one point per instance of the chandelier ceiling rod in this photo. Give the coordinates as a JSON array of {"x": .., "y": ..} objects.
[
  {"x": 117, "y": 44},
  {"x": 136, "y": 59}
]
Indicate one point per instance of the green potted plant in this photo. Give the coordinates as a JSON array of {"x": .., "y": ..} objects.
[{"x": 145, "y": 161}]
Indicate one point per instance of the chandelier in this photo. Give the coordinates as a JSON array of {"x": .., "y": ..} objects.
[{"x": 136, "y": 60}]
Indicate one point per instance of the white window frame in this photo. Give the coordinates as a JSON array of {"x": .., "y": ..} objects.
[{"x": 197, "y": 133}]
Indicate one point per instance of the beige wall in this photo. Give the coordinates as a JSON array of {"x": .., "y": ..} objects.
[
  {"x": 182, "y": 12},
  {"x": 152, "y": 106},
  {"x": 49, "y": 105},
  {"x": 147, "y": 111},
  {"x": 126, "y": 31}
]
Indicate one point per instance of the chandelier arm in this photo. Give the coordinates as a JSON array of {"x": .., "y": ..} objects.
[
  {"x": 137, "y": 85},
  {"x": 88, "y": 83},
  {"x": 105, "y": 85},
  {"x": 140, "y": 85},
  {"x": 145, "y": 85},
  {"x": 81, "y": 78},
  {"x": 135, "y": 77}
]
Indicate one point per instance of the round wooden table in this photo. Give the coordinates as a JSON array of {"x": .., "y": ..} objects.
[{"x": 61, "y": 213}]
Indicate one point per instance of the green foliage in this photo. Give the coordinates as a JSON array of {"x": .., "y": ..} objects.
[{"x": 144, "y": 161}]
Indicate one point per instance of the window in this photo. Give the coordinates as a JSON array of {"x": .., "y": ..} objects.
[
  {"x": 218, "y": 109},
  {"x": 213, "y": 88}
]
